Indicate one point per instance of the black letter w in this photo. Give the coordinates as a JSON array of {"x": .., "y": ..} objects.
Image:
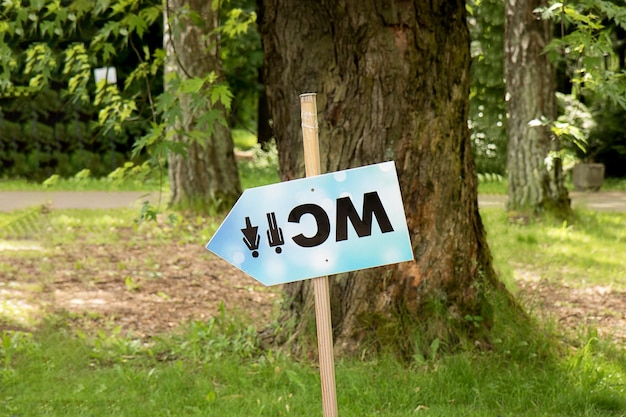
[{"x": 363, "y": 227}]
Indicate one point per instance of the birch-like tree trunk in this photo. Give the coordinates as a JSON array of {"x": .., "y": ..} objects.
[
  {"x": 207, "y": 176},
  {"x": 535, "y": 174}
]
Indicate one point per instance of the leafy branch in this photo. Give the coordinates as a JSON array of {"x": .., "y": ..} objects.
[
  {"x": 586, "y": 46},
  {"x": 57, "y": 54}
]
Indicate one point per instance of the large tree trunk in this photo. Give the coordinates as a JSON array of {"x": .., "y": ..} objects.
[
  {"x": 535, "y": 171},
  {"x": 392, "y": 83},
  {"x": 207, "y": 176}
]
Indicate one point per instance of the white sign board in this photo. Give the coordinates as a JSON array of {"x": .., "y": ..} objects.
[{"x": 316, "y": 226}]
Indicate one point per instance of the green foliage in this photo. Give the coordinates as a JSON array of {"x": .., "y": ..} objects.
[
  {"x": 108, "y": 347},
  {"x": 149, "y": 212},
  {"x": 55, "y": 46},
  {"x": 572, "y": 127},
  {"x": 127, "y": 174},
  {"x": 60, "y": 103},
  {"x": 591, "y": 49},
  {"x": 242, "y": 58},
  {"x": 487, "y": 106},
  {"x": 261, "y": 168},
  {"x": 129, "y": 177},
  {"x": 574, "y": 124},
  {"x": 203, "y": 93},
  {"x": 490, "y": 183},
  {"x": 587, "y": 48}
]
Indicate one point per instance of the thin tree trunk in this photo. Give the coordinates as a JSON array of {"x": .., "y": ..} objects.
[
  {"x": 207, "y": 176},
  {"x": 535, "y": 175},
  {"x": 392, "y": 80},
  {"x": 264, "y": 128}
]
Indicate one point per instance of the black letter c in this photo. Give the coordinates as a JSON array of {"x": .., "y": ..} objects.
[{"x": 321, "y": 218}]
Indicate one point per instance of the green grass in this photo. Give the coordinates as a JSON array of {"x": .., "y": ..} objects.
[
  {"x": 218, "y": 367},
  {"x": 492, "y": 187},
  {"x": 587, "y": 252},
  {"x": 261, "y": 170},
  {"x": 244, "y": 139}
]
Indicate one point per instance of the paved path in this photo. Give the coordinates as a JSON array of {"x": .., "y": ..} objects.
[
  {"x": 599, "y": 201},
  {"x": 14, "y": 200}
]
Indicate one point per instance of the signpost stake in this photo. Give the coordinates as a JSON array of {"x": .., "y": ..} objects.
[{"x": 308, "y": 109}]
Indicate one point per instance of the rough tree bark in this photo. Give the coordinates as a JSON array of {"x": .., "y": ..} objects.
[
  {"x": 535, "y": 174},
  {"x": 207, "y": 176},
  {"x": 392, "y": 80}
]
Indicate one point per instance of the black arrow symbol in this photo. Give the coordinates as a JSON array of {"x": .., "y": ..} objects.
[{"x": 251, "y": 238}]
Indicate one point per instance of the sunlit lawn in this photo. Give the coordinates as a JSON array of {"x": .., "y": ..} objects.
[
  {"x": 583, "y": 252},
  {"x": 218, "y": 367}
]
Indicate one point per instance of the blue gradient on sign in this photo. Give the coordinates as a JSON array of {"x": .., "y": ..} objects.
[{"x": 294, "y": 262}]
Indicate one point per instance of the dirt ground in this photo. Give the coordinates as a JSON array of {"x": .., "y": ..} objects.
[
  {"x": 578, "y": 309},
  {"x": 147, "y": 289}
]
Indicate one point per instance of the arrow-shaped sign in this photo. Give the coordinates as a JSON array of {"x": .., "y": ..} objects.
[{"x": 316, "y": 226}]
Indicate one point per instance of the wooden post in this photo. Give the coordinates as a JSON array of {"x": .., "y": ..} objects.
[{"x": 308, "y": 109}]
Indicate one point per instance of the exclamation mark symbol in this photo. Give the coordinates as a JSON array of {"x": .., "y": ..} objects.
[{"x": 274, "y": 233}]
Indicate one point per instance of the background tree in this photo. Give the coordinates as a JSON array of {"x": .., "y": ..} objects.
[
  {"x": 393, "y": 83},
  {"x": 206, "y": 172},
  {"x": 535, "y": 175}
]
